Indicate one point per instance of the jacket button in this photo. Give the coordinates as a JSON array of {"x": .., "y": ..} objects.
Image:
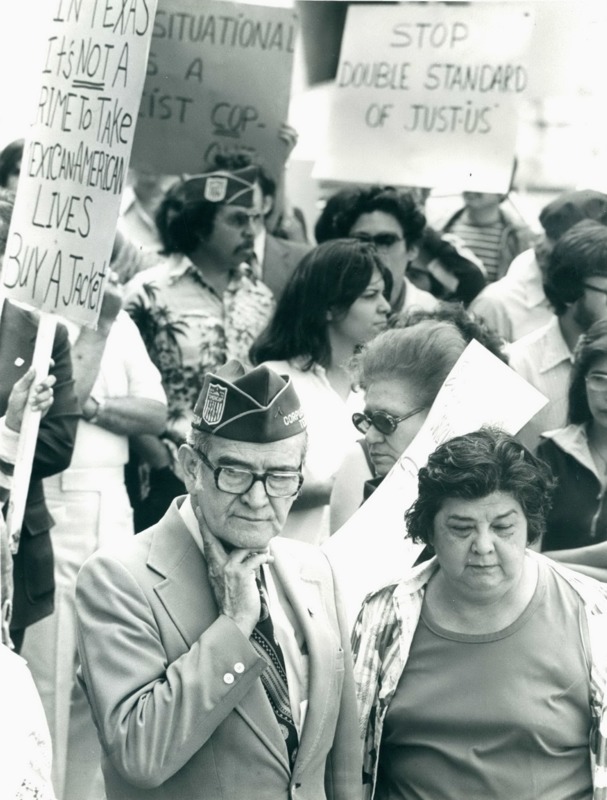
[
  {"x": 239, "y": 667},
  {"x": 228, "y": 678}
]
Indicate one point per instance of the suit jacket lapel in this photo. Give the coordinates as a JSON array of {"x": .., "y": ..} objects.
[
  {"x": 186, "y": 594},
  {"x": 304, "y": 592}
]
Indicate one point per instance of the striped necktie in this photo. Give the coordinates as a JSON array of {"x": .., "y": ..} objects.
[{"x": 274, "y": 676}]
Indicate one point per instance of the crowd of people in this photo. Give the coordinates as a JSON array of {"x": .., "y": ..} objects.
[{"x": 245, "y": 391}]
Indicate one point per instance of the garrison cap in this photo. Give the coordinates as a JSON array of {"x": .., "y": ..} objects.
[
  {"x": 222, "y": 186},
  {"x": 257, "y": 406}
]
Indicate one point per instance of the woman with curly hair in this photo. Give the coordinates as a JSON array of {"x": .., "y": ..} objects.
[{"x": 481, "y": 672}]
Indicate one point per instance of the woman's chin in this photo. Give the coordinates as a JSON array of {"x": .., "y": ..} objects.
[{"x": 382, "y": 465}]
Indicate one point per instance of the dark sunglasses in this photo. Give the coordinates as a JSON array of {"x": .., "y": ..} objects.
[
  {"x": 382, "y": 241},
  {"x": 382, "y": 421}
]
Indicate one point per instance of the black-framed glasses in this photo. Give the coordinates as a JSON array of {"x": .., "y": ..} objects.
[
  {"x": 382, "y": 421},
  {"x": 236, "y": 480},
  {"x": 382, "y": 241},
  {"x": 596, "y": 382},
  {"x": 594, "y": 288}
]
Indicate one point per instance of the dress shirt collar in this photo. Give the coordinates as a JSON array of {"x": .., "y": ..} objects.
[
  {"x": 555, "y": 348},
  {"x": 260, "y": 246},
  {"x": 186, "y": 511},
  {"x": 527, "y": 273}
]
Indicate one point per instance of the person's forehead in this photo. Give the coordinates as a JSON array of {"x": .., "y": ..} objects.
[
  {"x": 284, "y": 454},
  {"x": 377, "y": 222},
  {"x": 599, "y": 364},
  {"x": 227, "y": 210},
  {"x": 395, "y": 396},
  {"x": 494, "y": 505},
  {"x": 597, "y": 280}
]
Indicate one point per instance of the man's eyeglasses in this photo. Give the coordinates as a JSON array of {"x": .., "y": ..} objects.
[
  {"x": 597, "y": 382},
  {"x": 594, "y": 288},
  {"x": 382, "y": 241},
  {"x": 235, "y": 480},
  {"x": 382, "y": 421}
]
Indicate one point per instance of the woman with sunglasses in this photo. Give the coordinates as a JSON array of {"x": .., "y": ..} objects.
[
  {"x": 334, "y": 302},
  {"x": 577, "y": 455},
  {"x": 401, "y": 372}
]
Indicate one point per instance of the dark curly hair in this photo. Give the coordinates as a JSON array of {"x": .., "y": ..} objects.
[
  {"x": 344, "y": 208},
  {"x": 330, "y": 277},
  {"x": 473, "y": 466},
  {"x": 578, "y": 255},
  {"x": 7, "y": 204},
  {"x": 181, "y": 225},
  {"x": 590, "y": 348},
  {"x": 10, "y": 157}
]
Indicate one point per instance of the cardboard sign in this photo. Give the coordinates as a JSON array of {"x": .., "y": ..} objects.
[
  {"x": 76, "y": 156},
  {"x": 427, "y": 95},
  {"x": 219, "y": 78},
  {"x": 371, "y": 549}
]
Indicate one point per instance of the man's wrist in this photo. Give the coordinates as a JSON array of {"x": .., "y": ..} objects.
[{"x": 92, "y": 409}]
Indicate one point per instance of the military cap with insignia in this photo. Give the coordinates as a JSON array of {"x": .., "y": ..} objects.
[
  {"x": 257, "y": 406},
  {"x": 229, "y": 188}
]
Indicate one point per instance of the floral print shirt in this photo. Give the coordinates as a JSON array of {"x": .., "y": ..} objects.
[{"x": 189, "y": 329}]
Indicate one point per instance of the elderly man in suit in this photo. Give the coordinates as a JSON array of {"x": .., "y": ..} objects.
[{"x": 215, "y": 655}]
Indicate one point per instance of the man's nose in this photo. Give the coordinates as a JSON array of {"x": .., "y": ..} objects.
[
  {"x": 256, "y": 496},
  {"x": 373, "y": 435}
]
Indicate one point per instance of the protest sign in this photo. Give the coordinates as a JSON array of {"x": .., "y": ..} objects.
[
  {"x": 76, "y": 156},
  {"x": 73, "y": 171},
  {"x": 219, "y": 77},
  {"x": 427, "y": 94},
  {"x": 371, "y": 550}
]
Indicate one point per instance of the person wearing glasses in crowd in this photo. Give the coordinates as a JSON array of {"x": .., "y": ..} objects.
[
  {"x": 335, "y": 301},
  {"x": 215, "y": 654},
  {"x": 389, "y": 219},
  {"x": 196, "y": 309},
  {"x": 401, "y": 372},
  {"x": 577, "y": 455},
  {"x": 576, "y": 286}
]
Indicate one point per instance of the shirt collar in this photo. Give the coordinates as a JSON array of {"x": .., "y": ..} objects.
[
  {"x": 180, "y": 265},
  {"x": 573, "y": 439},
  {"x": 555, "y": 347},
  {"x": 260, "y": 246},
  {"x": 188, "y": 516},
  {"x": 528, "y": 274}
]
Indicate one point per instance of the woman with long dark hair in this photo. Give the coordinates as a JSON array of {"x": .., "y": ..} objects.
[{"x": 335, "y": 301}]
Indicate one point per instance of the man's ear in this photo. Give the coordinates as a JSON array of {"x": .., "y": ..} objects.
[
  {"x": 412, "y": 253},
  {"x": 267, "y": 205},
  {"x": 189, "y": 462}
]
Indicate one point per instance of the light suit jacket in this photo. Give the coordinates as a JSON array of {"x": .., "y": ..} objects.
[{"x": 175, "y": 689}]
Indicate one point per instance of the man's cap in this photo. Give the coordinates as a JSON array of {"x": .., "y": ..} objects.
[
  {"x": 222, "y": 186},
  {"x": 571, "y": 207},
  {"x": 256, "y": 406}
]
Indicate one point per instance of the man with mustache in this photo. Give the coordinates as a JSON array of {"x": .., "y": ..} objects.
[{"x": 196, "y": 309}]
